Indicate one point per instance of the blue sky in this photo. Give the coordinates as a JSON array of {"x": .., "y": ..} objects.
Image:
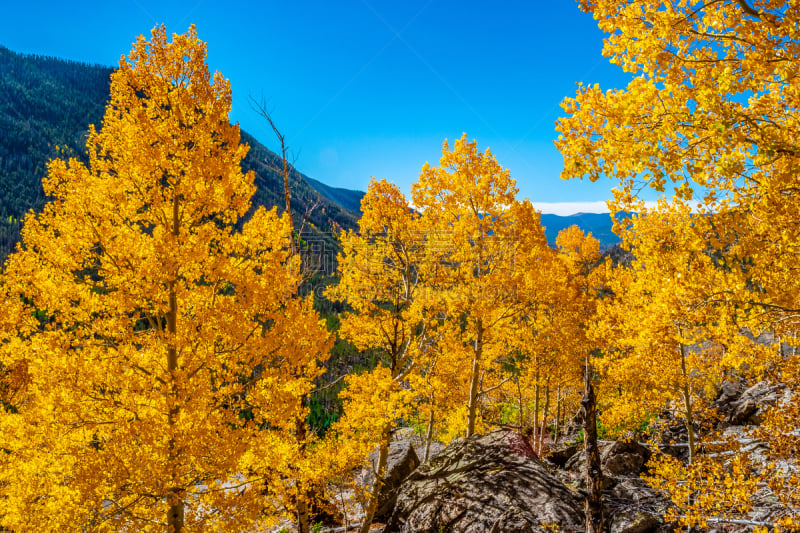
[{"x": 366, "y": 88}]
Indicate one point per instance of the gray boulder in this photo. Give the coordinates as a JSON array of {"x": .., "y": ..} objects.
[
  {"x": 742, "y": 413},
  {"x": 618, "y": 458},
  {"x": 632, "y": 506},
  {"x": 742, "y": 406},
  {"x": 729, "y": 392},
  {"x": 559, "y": 455},
  {"x": 492, "y": 483},
  {"x": 622, "y": 458},
  {"x": 634, "y": 522}
]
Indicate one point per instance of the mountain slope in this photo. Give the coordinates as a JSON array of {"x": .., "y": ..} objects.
[
  {"x": 44, "y": 103},
  {"x": 599, "y": 224},
  {"x": 347, "y": 198},
  {"x": 47, "y": 102}
]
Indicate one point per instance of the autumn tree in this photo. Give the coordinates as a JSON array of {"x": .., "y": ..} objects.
[
  {"x": 709, "y": 116},
  {"x": 477, "y": 231},
  {"x": 166, "y": 339},
  {"x": 667, "y": 331},
  {"x": 551, "y": 340},
  {"x": 382, "y": 273},
  {"x": 710, "y": 112},
  {"x": 438, "y": 384},
  {"x": 576, "y": 307},
  {"x": 433, "y": 288},
  {"x": 578, "y": 280}
]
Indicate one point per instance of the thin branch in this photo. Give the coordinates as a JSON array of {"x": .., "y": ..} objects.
[
  {"x": 261, "y": 109},
  {"x": 490, "y": 389},
  {"x": 329, "y": 385}
]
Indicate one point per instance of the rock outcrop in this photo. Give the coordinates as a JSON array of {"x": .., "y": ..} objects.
[
  {"x": 622, "y": 458},
  {"x": 492, "y": 483},
  {"x": 632, "y": 506},
  {"x": 743, "y": 407},
  {"x": 618, "y": 458}
]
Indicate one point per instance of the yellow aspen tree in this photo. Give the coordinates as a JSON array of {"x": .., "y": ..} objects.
[
  {"x": 382, "y": 270},
  {"x": 710, "y": 115},
  {"x": 436, "y": 383},
  {"x": 373, "y": 403},
  {"x": 670, "y": 336},
  {"x": 668, "y": 324},
  {"x": 169, "y": 336},
  {"x": 575, "y": 303},
  {"x": 709, "y": 118},
  {"x": 578, "y": 255},
  {"x": 551, "y": 343},
  {"x": 475, "y": 228},
  {"x": 709, "y": 111}
]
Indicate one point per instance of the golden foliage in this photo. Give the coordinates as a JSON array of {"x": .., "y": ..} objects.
[
  {"x": 168, "y": 331},
  {"x": 709, "y": 118}
]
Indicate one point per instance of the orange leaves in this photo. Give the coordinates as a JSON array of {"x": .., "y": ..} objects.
[
  {"x": 373, "y": 400},
  {"x": 726, "y": 484},
  {"x": 171, "y": 332},
  {"x": 713, "y": 113},
  {"x": 441, "y": 288}
]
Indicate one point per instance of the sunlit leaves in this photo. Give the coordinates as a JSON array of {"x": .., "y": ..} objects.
[{"x": 172, "y": 338}]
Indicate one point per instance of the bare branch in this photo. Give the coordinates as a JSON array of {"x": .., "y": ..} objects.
[
  {"x": 490, "y": 389},
  {"x": 329, "y": 385},
  {"x": 261, "y": 109}
]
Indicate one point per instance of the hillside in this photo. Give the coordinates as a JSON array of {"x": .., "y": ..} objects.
[
  {"x": 349, "y": 199},
  {"x": 47, "y": 102}
]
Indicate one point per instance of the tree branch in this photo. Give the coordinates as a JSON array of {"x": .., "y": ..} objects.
[{"x": 749, "y": 10}]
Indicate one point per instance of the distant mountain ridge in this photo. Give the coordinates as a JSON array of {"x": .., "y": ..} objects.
[
  {"x": 600, "y": 224},
  {"x": 46, "y": 102},
  {"x": 347, "y": 198}
]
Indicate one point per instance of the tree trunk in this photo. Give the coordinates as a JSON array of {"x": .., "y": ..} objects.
[
  {"x": 689, "y": 421},
  {"x": 558, "y": 414},
  {"x": 535, "y": 406},
  {"x": 175, "y": 512},
  {"x": 303, "y": 521},
  {"x": 543, "y": 426},
  {"x": 175, "y": 495},
  {"x": 383, "y": 458},
  {"x": 594, "y": 474},
  {"x": 429, "y": 436},
  {"x": 477, "y": 360},
  {"x": 687, "y": 405}
]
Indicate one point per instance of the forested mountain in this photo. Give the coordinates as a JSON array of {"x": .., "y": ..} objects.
[
  {"x": 44, "y": 103},
  {"x": 347, "y": 198},
  {"x": 47, "y": 103}
]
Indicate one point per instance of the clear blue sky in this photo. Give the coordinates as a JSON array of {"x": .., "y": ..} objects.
[{"x": 366, "y": 88}]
